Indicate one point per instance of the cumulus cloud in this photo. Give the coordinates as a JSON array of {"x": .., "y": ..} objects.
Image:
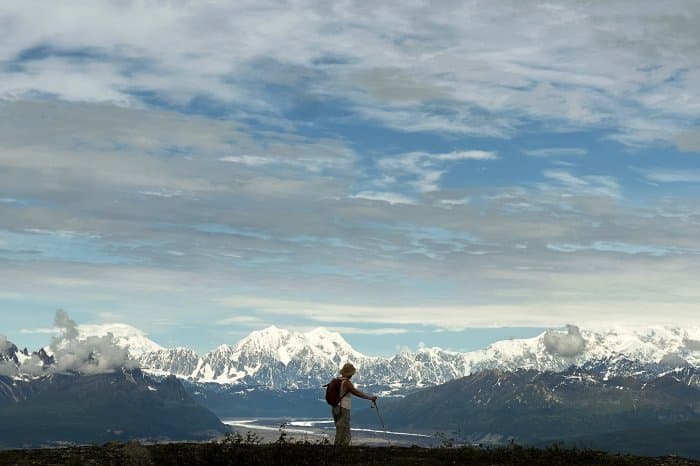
[
  {"x": 92, "y": 355},
  {"x": 68, "y": 327},
  {"x": 34, "y": 366},
  {"x": 567, "y": 344},
  {"x": 69, "y": 353},
  {"x": 5, "y": 344}
]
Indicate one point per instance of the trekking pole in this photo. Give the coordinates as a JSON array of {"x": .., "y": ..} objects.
[{"x": 381, "y": 420}]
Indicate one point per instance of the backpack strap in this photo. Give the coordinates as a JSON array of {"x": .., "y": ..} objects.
[{"x": 343, "y": 380}]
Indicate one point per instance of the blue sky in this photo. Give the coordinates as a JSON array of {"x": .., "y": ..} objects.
[{"x": 404, "y": 174}]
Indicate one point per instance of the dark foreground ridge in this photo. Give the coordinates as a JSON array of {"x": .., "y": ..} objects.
[{"x": 288, "y": 454}]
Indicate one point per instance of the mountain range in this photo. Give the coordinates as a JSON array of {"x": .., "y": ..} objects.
[
  {"x": 281, "y": 359},
  {"x": 573, "y": 385},
  {"x": 291, "y": 367}
]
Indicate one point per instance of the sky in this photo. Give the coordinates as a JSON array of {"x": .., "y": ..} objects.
[{"x": 406, "y": 173}]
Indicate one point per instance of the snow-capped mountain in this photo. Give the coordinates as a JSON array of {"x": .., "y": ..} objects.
[
  {"x": 273, "y": 357},
  {"x": 282, "y": 359},
  {"x": 182, "y": 362},
  {"x": 555, "y": 351},
  {"x": 278, "y": 358},
  {"x": 125, "y": 336},
  {"x": 8, "y": 351},
  {"x": 11, "y": 358}
]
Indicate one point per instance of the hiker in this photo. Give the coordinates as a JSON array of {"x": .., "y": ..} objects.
[{"x": 341, "y": 409}]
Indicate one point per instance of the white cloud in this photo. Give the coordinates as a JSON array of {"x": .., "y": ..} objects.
[
  {"x": 370, "y": 331},
  {"x": 245, "y": 159},
  {"x": 565, "y": 178},
  {"x": 661, "y": 175},
  {"x": 591, "y": 185},
  {"x": 389, "y": 197},
  {"x": 162, "y": 193},
  {"x": 288, "y": 219},
  {"x": 40, "y": 330},
  {"x": 132, "y": 148},
  {"x": 424, "y": 168},
  {"x": 90, "y": 355},
  {"x": 246, "y": 320},
  {"x": 624, "y": 248},
  {"x": 464, "y": 155},
  {"x": 410, "y": 67},
  {"x": 454, "y": 202},
  {"x": 556, "y": 152},
  {"x": 562, "y": 163},
  {"x": 349, "y": 330},
  {"x": 534, "y": 314},
  {"x": 567, "y": 344}
]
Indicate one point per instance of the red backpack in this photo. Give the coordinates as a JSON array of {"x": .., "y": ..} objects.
[{"x": 333, "y": 391}]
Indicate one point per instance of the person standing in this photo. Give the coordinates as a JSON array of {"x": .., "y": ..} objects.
[{"x": 341, "y": 411}]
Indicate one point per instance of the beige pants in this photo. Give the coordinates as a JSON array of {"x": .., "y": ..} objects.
[{"x": 341, "y": 417}]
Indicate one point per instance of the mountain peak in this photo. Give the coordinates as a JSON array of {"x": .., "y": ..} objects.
[
  {"x": 323, "y": 334},
  {"x": 126, "y": 336},
  {"x": 284, "y": 345},
  {"x": 271, "y": 337}
]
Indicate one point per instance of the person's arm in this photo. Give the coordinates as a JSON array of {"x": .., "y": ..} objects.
[{"x": 350, "y": 388}]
